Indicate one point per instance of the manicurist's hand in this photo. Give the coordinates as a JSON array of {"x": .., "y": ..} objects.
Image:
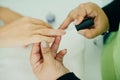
[
  {"x": 86, "y": 10},
  {"x": 47, "y": 62},
  {"x": 25, "y": 31}
]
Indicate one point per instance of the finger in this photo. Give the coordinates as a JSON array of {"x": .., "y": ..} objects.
[
  {"x": 35, "y": 54},
  {"x": 60, "y": 55},
  {"x": 46, "y": 52},
  {"x": 90, "y": 33},
  {"x": 55, "y": 44},
  {"x": 50, "y": 32},
  {"x": 39, "y": 38},
  {"x": 81, "y": 15},
  {"x": 66, "y": 22},
  {"x": 39, "y": 22},
  {"x": 36, "y": 21},
  {"x": 78, "y": 20},
  {"x": 76, "y": 15}
]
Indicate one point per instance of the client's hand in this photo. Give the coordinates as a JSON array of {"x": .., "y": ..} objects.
[
  {"x": 25, "y": 31},
  {"x": 47, "y": 64}
]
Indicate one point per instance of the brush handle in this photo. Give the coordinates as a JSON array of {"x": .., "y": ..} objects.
[{"x": 86, "y": 23}]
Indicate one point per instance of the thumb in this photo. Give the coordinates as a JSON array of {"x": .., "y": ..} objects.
[{"x": 46, "y": 52}]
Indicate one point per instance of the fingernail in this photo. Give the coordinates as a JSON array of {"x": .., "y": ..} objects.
[{"x": 44, "y": 44}]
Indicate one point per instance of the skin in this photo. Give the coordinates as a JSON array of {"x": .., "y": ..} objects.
[
  {"x": 47, "y": 62},
  {"x": 21, "y": 31},
  {"x": 8, "y": 15},
  {"x": 85, "y": 10}
]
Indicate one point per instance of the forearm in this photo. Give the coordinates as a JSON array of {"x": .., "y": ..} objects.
[
  {"x": 8, "y": 15},
  {"x": 113, "y": 13}
]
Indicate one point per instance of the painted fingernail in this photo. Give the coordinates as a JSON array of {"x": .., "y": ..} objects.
[{"x": 44, "y": 44}]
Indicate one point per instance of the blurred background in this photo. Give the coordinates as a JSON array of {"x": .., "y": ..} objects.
[{"x": 83, "y": 57}]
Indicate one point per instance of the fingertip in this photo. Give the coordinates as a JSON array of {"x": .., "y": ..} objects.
[
  {"x": 65, "y": 50},
  {"x": 61, "y": 54},
  {"x": 35, "y": 48}
]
